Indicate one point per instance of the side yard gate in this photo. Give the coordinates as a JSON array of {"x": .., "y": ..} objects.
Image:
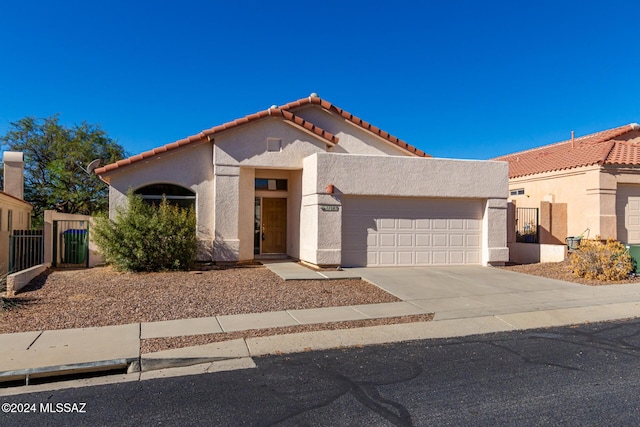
[
  {"x": 527, "y": 221},
  {"x": 70, "y": 243}
]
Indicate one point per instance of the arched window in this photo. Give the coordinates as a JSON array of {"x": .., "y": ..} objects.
[{"x": 174, "y": 194}]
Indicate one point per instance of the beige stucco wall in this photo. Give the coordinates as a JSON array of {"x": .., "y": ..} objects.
[
  {"x": 589, "y": 192},
  {"x": 578, "y": 188},
  {"x": 353, "y": 139},
  {"x": 247, "y": 145},
  {"x": 189, "y": 167},
  {"x": 399, "y": 176},
  {"x": 241, "y": 155},
  {"x": 222, "y": 174}
]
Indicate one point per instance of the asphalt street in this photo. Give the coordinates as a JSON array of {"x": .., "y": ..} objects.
[{"x": 584, "y": 375}]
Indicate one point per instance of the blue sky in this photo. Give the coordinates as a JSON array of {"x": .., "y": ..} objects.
[{"x": 457, "y": 79}]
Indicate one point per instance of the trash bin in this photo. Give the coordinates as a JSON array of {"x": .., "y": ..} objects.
[
  {"x": 573, "y": 242},
  {"x": 634, "y": 252},
  {"x": 75, "y": 246}
]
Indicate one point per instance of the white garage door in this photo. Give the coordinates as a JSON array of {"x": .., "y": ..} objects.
[
  {"x": 628, "y": 213},
  {"x": 386, "y": 231}
]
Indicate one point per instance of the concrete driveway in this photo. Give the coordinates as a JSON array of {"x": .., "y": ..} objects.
[{"x": 471, "y": 291}]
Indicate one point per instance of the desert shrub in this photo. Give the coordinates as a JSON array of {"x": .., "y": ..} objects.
[
  {"x": 595, "y": 260},
  {"x": 145, "y": 237}
]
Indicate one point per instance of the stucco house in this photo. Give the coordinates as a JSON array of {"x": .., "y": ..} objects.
[
  {"x": 311, "y": 181},
  {"x": 597, "y": 176},
  {"x": 15, "y": 213}
]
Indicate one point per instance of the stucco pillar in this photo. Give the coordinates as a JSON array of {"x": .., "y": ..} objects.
[
  {"x": 494, "y": 233},
  {"x": 322, "y": 233},
  {"x": 226, "y": 245},
  {"x": 601, "y": 205}
]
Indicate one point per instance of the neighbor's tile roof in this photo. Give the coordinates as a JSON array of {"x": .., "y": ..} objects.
[
  {"x": 605, "y": 147},
  {"x": 284, "y": 112}
]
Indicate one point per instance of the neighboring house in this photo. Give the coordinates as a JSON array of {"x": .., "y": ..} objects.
[
  {"x": 311, "y": 181},
  {"x": 597, "y": 176},
  {"x": 15, "y": 213}
]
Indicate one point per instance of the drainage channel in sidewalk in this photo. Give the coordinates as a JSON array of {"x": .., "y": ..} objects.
[{"x": 54, "y": 374}]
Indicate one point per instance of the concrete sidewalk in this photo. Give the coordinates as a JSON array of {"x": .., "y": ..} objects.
[{"x": 466, "y": 301}]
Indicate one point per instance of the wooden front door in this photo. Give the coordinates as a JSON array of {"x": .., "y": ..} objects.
[{"x": 274, "y": 226}]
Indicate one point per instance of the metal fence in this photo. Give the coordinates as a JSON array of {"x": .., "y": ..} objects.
[
  {"x": 26, "y": 249},
  {"x": 527, "y": 225}
]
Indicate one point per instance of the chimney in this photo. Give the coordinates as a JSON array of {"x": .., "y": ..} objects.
[
  {"x": 573, "y": 139},
  {"x": 14, "y": 174}
]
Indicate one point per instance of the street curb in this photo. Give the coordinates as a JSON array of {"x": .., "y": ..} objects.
[
  {"x": 61, "y": 370},
  {"x": 197, "y": 361}
]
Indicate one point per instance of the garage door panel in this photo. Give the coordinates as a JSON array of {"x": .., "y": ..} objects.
[
  {"x": 628, "y": 213},
  {"x": 387, "y": 224},
  {"x": 423, "y": 258},
  {"x": 402, "y": 231},
  {"x": 423, "y": 224},
  {"x": 439, "y": 224},
  {"x": 405, "y": 224},
  {"x": 387, "y": 258},
  {"x": 372, "y": 258},
  {"x": 405, "y": 258},
  {"x": 456, "y": 224},
  {"x": 472, "y": 241},
  {"x": 472, "y": 224},
  {"x": 405, "y": 240},
  {"x": 473, "y": 257},
  {"x": 440, "y": 257},
  {"x": 456, "y": 257},
  {"x": 387, "y": 239},
  {"x": 439, "y": 240},
  {"x": 457, "y": 240},
  {"x": 423, "y": 240}
]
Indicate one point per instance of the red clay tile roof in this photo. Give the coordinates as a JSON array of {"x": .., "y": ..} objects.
[
  {"x": 282, "y": 112},
  {"x": 605, "y": 147}
]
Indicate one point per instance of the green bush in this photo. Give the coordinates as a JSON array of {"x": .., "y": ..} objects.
[
  {"x": 595, "y": 260},
  {"x": 145, "y": 237}
]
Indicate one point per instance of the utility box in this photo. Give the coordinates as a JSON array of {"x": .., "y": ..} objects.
[
  {"x": 634, "y": 251},
  {"x": 75, "y": 246}
]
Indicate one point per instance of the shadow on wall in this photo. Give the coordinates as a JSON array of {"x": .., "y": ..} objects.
[
  {"x": 355, "y": 235},
  {"x": 204, "y": 252},
  {"x": 222, "y": 251}
]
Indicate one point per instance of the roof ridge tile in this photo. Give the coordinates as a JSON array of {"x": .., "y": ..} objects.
[
  {"x": 311, "y": 100},
  {"x": 595, "y": 148}
]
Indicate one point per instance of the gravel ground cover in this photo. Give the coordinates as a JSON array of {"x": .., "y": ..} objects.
[
  {"x": 562, "y": 271},
  {"x": 101, "y": 296}
]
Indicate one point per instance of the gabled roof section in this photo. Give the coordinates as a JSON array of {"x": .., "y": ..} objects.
[
  {"x": 609, "y": 146},
  {"x": 355, "y": 120},
  {"x": 284, "y": 113}
]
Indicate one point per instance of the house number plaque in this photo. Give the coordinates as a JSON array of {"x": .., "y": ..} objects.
[{"x": 330, "y": 208}]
